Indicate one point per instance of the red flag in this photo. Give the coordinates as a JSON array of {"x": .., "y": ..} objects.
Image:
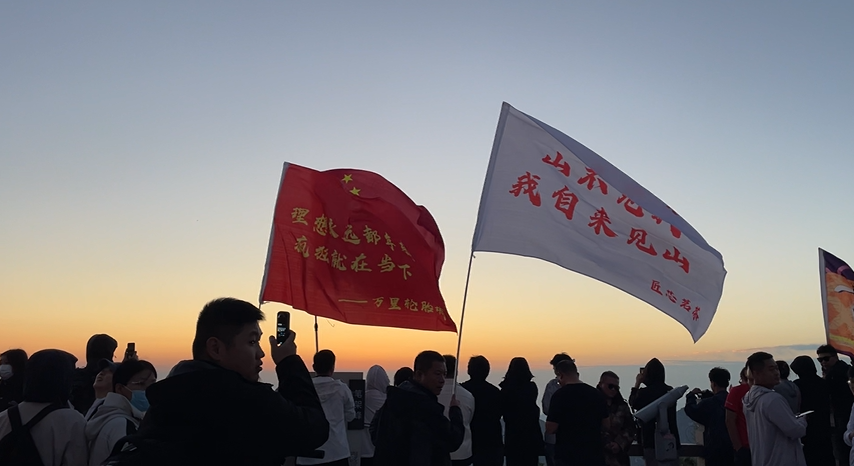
[{"x": 350, "y": 246}]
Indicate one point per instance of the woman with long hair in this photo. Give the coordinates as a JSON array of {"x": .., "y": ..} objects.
[
  {"x": 12, "y": 365},
  {"x": 621, "y": 432},
  {"x": 523, "y": 438},
  {"x": 652, "y": 376}
]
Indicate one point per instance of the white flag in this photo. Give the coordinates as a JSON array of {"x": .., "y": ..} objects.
[{"x": 547, "y": 196}]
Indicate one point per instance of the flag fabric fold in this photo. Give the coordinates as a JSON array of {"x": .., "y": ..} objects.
[
  {"x": 548, "y": 196},
  {"x": 837, "y": 299},
  {"x": 348, "y": 245}
]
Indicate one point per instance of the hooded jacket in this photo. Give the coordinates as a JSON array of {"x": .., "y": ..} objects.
[
  {"x": 774, "y": 431},
  {"x": 376, "y": 386},
  {"x": 411, "y": 429},
  {"x": 339, "y": 409},
  {"x": 109, "y": 424},
  {"x": 205, "y": 414}
]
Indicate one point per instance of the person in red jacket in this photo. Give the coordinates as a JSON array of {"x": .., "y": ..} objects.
[{"x": 736, "y": 423}]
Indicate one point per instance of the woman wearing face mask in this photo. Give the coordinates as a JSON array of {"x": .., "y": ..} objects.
[
  {"x": 122, "y": 410},
  {"x": 12, "y": 364}
]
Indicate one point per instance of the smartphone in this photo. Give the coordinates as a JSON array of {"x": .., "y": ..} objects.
[
  {"x": 130, "y": 352},
  {"x": 283, "y": 326},
  {"x": 804, "y": 413}
]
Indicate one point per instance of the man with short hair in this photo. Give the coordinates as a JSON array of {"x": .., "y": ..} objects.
[
  {"x": 836, "y": 375},
  {"x": 487, "y": 441},
  {"x": 411, "y": 428},
  {"x": 578, "y": 415},
  {"x": 711, "y": 413},
  {"x": 775, "y": 433},
  {"x": 463, "y": 455},
  {"x": 736, "y": 425},
  {"x": 213, "y": 409},
  {"x": 339, "y": 408},
  {"x": 121, "y": 410},
  {"x": 551, "y": 387}
]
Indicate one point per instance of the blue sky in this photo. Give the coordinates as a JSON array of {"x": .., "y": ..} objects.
[{"x": 141, "y": 146}]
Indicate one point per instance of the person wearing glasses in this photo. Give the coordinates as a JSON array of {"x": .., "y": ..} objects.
[
  {"x": 622, "y": 428},
  {"x": 711, "y": 413},
  {"x": 841, "y": 399},
  {"x": 122, "y": 409}
]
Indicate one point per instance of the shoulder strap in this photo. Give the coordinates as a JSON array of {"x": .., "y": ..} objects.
[
  {"x": 15, "y": 418},
  {"x": 41, "y": 415}
]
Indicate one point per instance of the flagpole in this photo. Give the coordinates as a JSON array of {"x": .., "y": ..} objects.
[
  {"x": 462, "y": 321},
  {"x": 316, "y": 337}
]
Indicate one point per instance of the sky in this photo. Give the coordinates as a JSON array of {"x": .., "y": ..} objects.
[{"x": 141, "y": 146}]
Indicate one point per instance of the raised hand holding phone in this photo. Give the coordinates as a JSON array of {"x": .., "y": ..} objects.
[{"x": 283, "y": 344}]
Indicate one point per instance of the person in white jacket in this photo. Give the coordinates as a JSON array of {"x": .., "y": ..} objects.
[
  {"x": 122, "y": 409},
  {"x": 339, "y": 408},
  {"x": 376, "y": 386},
  {"x": 58, "y": 436},
  {"x": 463, "y": 455},
  {"x": 774, "y": 430}
]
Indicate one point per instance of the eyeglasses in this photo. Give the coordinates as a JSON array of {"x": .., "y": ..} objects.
[
  {"x": 613, "y": 387},
  {"x": 824, "y": 359}
]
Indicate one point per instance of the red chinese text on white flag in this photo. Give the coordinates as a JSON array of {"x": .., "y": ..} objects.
[{"x": 547, "y": 196}]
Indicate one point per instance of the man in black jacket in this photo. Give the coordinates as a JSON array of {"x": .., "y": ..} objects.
[
  {"x": 213, "y": 410},
  {"x": 411, "y": 428},
  {"x": 711, "y": 413},
  {"x": 841, "y": 399},
  {"x": 486, "y": 439}
]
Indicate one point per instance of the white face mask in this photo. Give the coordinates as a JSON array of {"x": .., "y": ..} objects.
[{"x": 6, "y": 371}]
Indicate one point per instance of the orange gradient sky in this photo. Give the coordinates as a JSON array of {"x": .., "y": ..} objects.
[{"x": 141, "y": 147}]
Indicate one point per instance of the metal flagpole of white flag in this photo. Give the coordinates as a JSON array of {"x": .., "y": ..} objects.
[{"x": 462, "y": 321}]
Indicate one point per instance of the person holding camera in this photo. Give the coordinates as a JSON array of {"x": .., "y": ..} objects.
[
  {"x": 652, "y": 376},
  {"x": 213, "y": 410},
  {"x": 710, "y": 412}
]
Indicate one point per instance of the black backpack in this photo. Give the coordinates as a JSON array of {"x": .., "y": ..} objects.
[{"x": 18, "y": 448}]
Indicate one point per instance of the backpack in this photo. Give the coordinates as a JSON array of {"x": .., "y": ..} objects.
[{"x": 18, "y": 448}]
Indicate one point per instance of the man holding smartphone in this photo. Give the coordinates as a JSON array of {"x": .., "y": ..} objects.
[{"x": 214, "y": 410}]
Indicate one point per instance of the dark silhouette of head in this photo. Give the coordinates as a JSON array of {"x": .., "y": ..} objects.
[
  {"x": 324, "y": 362},
  {"x": 783, "y": 367},
  {"x": 518, "y": 371},
  {"x": 402, "y": 375},
  {"x": 804, "y": 366},
  {"x": 17, "y": 358},
  {"x": 430, "y": 371},
  {"x": 478, "y": 368},
  {"x": 100, "y": 346},
  {"x": 450, "y": 366},
  {"x": 48, "y": 376},
  {"x": 720, "y": 377},
  {"x": 653, "y": 372}
]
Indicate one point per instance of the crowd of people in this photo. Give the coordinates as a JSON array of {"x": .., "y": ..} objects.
[{"x": 214, "y": 410}]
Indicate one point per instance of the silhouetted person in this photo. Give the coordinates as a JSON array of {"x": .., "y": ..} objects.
[
  {"x": 523, "y": 438},
  {"x": 735, "y": 422},
  {"x": 13, "y": 365},
  {"x": 652, "y": 376},
  {"x": 578, "y": 417},
  {"x": 411, "y": 428},
  {"x": 486, "y": 440},
  {"x": 463, "y": 455},
  {"x": 787, "y": 388},
  {"x": 98, "y": 347},
  {"x": 848, "y": 437},
  {"x": 339, "y": 409},
  {"x": 711, "y": 413},
  {"x": 551, "y": 387},
  {"x": 402, "y": 375},
  {"x": 775, "y": 433},
  {"x": 621, "y": 424},
  {"x": 841, "y": 399},
  {"x": 57, "y": 430},
  {"x": 818, "y": 447},
  {"x": 213, "y": 409}
]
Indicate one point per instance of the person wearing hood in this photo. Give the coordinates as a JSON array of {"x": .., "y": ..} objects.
[
  {"x": 774, "y": 431},
  {"x": 339, "y": 408},
  {"x": 57, "y": 430},
  {"x": 376, "y": 386},
  {"x": 818, "y": 447},
  {"x": 463, "y": 455},
  {"x": 487, "y": 443},
  {"x": 213, "y": 409},
  {"x": 12, "y": 369},
  {"x": 411, "y": 428},
  {"x": 122, "y": 409},
  {"x": 100, "y": 346},
  {"x": 652, "y": 376},
  {"x": 523, "y": 437},
  {"x": 787, "y": 388}
]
